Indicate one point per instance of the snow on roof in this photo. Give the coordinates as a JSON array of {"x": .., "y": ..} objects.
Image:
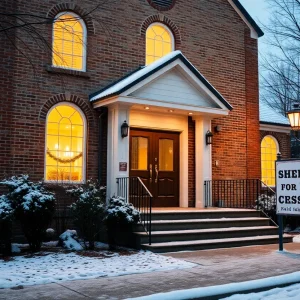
[
  {"x": 270, "y": 116},
  {"x": 135, "y": 76},
  {"x": 139, "y": 75}
]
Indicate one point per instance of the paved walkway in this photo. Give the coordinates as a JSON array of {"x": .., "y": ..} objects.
[{"x": 214, "y": 267}]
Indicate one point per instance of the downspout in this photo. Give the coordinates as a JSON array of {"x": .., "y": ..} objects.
[{"x": 100, "y": 145}]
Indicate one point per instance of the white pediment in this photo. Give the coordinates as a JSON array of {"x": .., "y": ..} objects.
[{"x": 174, "y": 87}]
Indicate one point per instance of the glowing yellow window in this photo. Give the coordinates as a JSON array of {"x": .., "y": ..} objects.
[
  {"x": 269, "y": 150},
  {"x": 159, "y": 42},
  {"x": 69, "y": 40},
  {"x": 65, "y": 144}
]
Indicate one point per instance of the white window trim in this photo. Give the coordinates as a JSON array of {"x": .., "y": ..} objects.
[
  {"x": 164, "y": 26},
  {"x": 84, "y": 144},
  {"x": 84, "y": 57},
  {"x": 277, "y": 148}
]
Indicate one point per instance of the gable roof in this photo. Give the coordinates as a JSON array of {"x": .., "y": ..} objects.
[
  {"x": 246, "y": 18},
  {"x": 269, "y": 116},
  {"x": 137, "y": 76}
]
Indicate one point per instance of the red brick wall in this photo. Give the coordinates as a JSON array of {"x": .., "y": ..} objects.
[
  {"x": 252, "y": 109},
  {"x": 213, "y": 37}
]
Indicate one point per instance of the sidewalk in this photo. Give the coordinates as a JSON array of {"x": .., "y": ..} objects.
[{"x": 214, "y": 267}]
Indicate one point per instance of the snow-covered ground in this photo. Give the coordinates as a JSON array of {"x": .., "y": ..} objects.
[
  {"x": 291, "y": 292},
  {"x": 54, "y": 267}
]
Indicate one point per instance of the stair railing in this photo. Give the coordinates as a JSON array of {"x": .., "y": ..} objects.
[
  {"x": 241, "y": 193},
  {"x": 134, "y": 191}
]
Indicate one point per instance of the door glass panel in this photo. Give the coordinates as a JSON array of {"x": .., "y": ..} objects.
[
  {"x": 139, "y": 153},
  {"x": 166, "y": 152}
]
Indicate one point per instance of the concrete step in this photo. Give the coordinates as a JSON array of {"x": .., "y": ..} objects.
[
  {"x": 164, "y": 225},
  {"x": 205, "y": 234},
  {"x": 204, "y": 214},
  {"x": 214, "y": 243}
]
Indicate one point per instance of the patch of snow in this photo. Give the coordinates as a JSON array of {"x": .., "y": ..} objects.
[
  {"x": 296, "y": 230},
  {"x": 296, "y": 239},
  {"x": 59, "y": 267},
  {"x": 69, "y": 240},
  {"x": 50, "y": 231},
  {"x": 230, "y": 288},
  {"x": 50, "y": 244},
  {"x": 291, "y": 292},
  {"x": 15, "y": 248}
]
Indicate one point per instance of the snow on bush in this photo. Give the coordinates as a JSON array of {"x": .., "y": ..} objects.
[
  {"x": 69, "y": 240},
  {"x": 266, "y": 202},
  {"x": 120, "y": 212},
  {"x": 6, "y": 210},
  {"x": 120, "y": 216},
  {"x": 88, "y": 210},
  {"x": 33, "y": 206}
]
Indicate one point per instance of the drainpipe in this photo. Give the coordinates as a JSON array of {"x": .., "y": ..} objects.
[{"x": 100, "y": 145}]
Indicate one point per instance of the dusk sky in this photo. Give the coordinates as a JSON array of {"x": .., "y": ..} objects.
[{"x": 258, "y": 9}]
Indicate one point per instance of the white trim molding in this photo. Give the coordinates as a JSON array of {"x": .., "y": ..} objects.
[{"x": 275, "y": 128}]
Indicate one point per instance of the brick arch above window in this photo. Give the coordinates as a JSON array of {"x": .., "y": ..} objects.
[
  {"x": 83, "y": 105},
  {"x": 58, "y": 8},
  {"x": 166, "y": 21}
]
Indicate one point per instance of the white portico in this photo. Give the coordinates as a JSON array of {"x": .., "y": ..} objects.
[{"x": 156, "y": 102}]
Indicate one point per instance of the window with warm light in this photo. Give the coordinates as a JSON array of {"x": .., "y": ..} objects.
[
  {"x": 69, "y": 40},
  {"x": 65, "y": 140},
  {"x": 269, "y": 150},
  {"x": 159, "y": 42}
]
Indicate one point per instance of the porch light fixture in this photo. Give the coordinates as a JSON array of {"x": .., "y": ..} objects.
[
  {"x": 124, "y": 129},
  {"x": 208, "y": 137},
  {"x": 294, "y": 118}
]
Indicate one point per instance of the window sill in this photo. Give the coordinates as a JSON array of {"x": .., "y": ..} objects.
[{"x": 56, "y": 70}]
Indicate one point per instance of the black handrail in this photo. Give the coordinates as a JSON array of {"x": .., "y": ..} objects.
[
  {"x": 134, "y": 191},
  {"x": 241, "y": 193}
]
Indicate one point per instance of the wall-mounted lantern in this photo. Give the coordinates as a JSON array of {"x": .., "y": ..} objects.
[
  {"x": 124, "y": 129},
  {"x": 208, "y": 137}
]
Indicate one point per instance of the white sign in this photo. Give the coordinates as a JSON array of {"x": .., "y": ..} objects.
[{"x": 288, "y": 187}]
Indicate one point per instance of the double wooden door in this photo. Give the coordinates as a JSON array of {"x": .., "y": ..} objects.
[{"x": 154, "y": 157}]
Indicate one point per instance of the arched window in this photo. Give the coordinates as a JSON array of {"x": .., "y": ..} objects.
[
  {"x": 65, "y": 144},
  {"x": 269, "y": 150},
  {"x": 69, "y": 42},
  {"x": 159, "y": 42}
]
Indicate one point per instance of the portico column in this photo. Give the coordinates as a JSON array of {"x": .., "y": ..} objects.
[
  {"x": 117, "y": 147},
  {"x": 203, "y": 158}
]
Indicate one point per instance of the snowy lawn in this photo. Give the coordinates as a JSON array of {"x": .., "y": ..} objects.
[{"x": 48, "y": 267}]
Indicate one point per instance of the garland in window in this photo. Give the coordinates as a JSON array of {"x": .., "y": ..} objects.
[{"x": 64, "y": 160}]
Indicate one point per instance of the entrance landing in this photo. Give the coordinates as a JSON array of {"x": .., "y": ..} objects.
[{"x": 195, "y": 209}]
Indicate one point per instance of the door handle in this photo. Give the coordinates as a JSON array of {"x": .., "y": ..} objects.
[
  {"x": 150, "y": 170},
  {"x": 156, "y": 171}
]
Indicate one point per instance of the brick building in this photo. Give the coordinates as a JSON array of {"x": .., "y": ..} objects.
[{"x": 173, "y": 70}]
